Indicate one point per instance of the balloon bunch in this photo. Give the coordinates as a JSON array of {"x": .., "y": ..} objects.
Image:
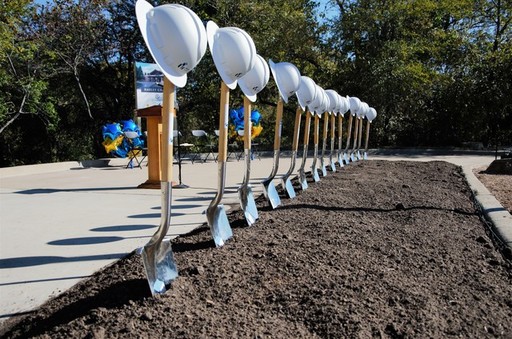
[
  {"x": 122, "y": 139},
  {"x": 236, "y": 123}
]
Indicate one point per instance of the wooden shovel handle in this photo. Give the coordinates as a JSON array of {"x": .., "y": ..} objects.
[
  {"x": 333, "y": 126},
  {"x": 295, "y": 142},
  {"x": 307, "y": 127},
  {"x": 340, "y": 126},
  {"x": 279, "y": 119},
  {"x": 349, "y": 133},
  {"x": 247, "y": 123},
  {"x": 168, "y": 115},
  {"x": 326, "y": 124},
  {"x": 223, "y": 122},
  {"x": 367, "y": 135},
  {"x": 316, "y": 129}
]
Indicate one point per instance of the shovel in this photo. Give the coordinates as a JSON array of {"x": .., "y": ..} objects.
[
  {"x": 324, "y": 144},
  {"x": 349, "y": 135},
  {"x": 331, "y": 154},
  {"x": 157, "y": 255},
  {"x": 269, "y": 189},
  {"x": 245, "y": 191},
  {"x": 302, "y": 173},
  {"x": 215, "y": 213},
  {"x": 358, "y": 153},
  {"x": 365, "y": 156},
  {"x": 340, "y": 139},
  {"x": 287, "y": 183},
  {"x": 316, "y": 128},
  {"x": 354, "y": 146}
]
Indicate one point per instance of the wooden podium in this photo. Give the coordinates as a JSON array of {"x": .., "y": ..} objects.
[{"x": 153, "y": 115}]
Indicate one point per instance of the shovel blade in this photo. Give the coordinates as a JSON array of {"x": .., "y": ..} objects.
[
  {"x": 340, "y": 160},
  {"x": 160, "y": 266},
  {"x": 333, "y": 166},
  {"x": 248, "y": 205},
  {"x": 352, "y": 158},
  {"x": 324, "y": 171},
  {"x": 365, "y": 156},
  {"x": 314, "y": 173},
  {"x": 345, "y": 157},
  {"x": 219, "y": 226},
  {"x": 271, "y": 193},
  {"x": 303, "y": 180},
  {"x": 289, "y": 188}
]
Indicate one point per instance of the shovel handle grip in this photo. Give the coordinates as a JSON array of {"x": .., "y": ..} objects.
[
  {"x": 247, "y": 123},
  {"x": 295, "y": 142},
  {"x": 168, "y": 115},
  {"x": 307, "y": 127},
  {"x": 223, "y": 122},
  {"x": 279, "y": 120}
]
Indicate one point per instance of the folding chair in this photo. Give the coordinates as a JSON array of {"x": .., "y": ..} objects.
[
  {"x": 136, "y": 151},
  {"x": 203, "y": 145}
]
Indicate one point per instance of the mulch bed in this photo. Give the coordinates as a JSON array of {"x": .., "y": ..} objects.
[{"x": 378, "y": 249}]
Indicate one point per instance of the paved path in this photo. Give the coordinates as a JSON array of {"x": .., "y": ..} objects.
[{"x": 62, "y": 222}]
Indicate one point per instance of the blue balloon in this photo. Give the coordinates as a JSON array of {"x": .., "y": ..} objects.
[
  {"x": 111, "y": 131},
  {"x": 130, "y": 126},
  {"x": 255, "y": 117}
]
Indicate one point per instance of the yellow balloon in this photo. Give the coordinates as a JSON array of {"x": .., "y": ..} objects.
[
  {"x": 111, "y": 145},
  {"x": 256, "y": 130}
]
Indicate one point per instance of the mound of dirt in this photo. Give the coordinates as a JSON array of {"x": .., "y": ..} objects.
[
  {"x": 378, "y": 249},
  {"x": 500, "y": 166}
]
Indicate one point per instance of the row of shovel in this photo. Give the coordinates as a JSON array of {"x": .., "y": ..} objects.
[{"x": 177, "y": 40}]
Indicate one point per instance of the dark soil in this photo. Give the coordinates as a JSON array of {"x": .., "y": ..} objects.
[{"x": 378, "y": 249}]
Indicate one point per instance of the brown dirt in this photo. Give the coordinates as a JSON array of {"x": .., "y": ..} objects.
[
  {"x": 379, "y": 249},
  {"x": 500, "y": 185}
]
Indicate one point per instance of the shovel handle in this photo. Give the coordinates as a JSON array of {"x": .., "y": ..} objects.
[
  {"x": 168, "y": 115},
  {"x": 340, "y": 126},
  {"x": 316, "y": 129},
  {"x": 349, "y": 133},
  {"x": 368, "y": 122},
  {"x": 326, "y": 124},
  {"x": 279, "y": 120},
  {"x": 223, "y": 122},
  {"x": 360, "y": 134},
  {"x": 247, "y": 123},
  {"x": 356, "y": 129},
  {"x": 295, "y": 143},
  {"x": 333, "y": 126},
  {"x": 307, "y": 127}
]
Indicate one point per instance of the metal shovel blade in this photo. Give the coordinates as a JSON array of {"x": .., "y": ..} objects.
[
  {"x": 345, "y": 157},
  {"x": 303, "y": 179},
  {"x": 333, "y": 166},
  {"x": 270, "y": 191},
  {"x": 352, "y": 158},
  {"x": 289, "y": 188},
  {"x": 324, "y": 170},
  {"x": 219, "y": 225},
  {"x": 365, "y": 156},
  {"x": 160, "y": 266},
  {"x": 340, "y": 159},
  {"x": 314, "y": 173},
  {"x": 248, "y": 204}
]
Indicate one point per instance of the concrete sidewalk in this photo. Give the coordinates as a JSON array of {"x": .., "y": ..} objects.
[{"x": 62, "y": 222}]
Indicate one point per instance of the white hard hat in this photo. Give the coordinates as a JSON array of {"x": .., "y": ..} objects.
[
  {"x": 372, "y": 114},
  {"x": 233, "y": 52},
  {"x": 287, "y": 78},
  {"x": 316, "y": 104},
  {"x": 326, "y": 104},
  {"x": 333, "y": 100},
  {"x": 362, "y": 112},
  {"x": 175, "y": 37},
  {"x": 256, "y": 79},
  {"x": 345, "y": 105},
  {"x": 355, "y": 105},
  {"x": 306, "y": 92}
]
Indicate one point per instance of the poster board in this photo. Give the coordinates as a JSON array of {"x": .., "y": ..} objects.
[{"x": 148, "y": 85}]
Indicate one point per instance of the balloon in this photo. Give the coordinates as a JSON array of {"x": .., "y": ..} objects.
[
  {"x": 256, "y": 130},
  {"x": 255, "y": 117},
  {"x": 115, "y": 142},
  {"x": 111, "y": 131}
]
